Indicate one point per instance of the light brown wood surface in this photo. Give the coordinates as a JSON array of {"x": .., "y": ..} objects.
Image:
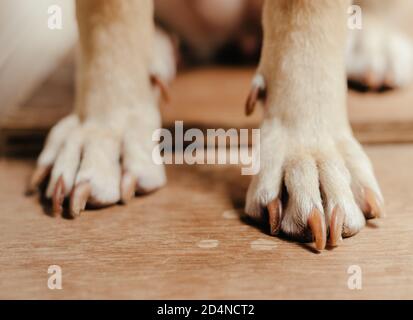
[
  {"x": 187, "y": 241},
  {"x": 211, "y": 97}
]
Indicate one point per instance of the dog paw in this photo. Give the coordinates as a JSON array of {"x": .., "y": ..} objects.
[
  {"x": 97, "y": 164},
  {"x": 313, "y": 187},
  {"x": 379, "y": 57}
]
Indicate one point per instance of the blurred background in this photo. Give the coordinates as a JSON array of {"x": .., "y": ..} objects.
[{"x": 217, "y": 44}]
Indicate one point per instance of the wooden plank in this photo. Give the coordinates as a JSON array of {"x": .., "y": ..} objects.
[
  {"x": 187, "y": 241},
  {"x": 210, "y": 97}
]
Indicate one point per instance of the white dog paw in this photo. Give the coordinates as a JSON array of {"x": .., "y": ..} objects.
[
  {"x": 316, "y": 190},
  {"x": 95, "y": 164},
  {"x": 379, "y": 57},
  {"x": 104, "y": 153}
]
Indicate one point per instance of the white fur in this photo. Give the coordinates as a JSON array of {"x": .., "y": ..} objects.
[
  {"x": 163, "y": 63},
  {"x": 381, "y": 52},
  {"x": 56, "y": 139},
  {"x": 97, "y": 150},
  {"x": 92, "y": 152},
  {"x": 258, "y": 82},
  {"x": 306, "y": 141}
]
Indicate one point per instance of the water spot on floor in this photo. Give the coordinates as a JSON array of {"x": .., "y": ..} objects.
[
  {"x": 208, "y": 244},
  {"x": 263, "y": 245},
  {"x": 231, "y": 214}
]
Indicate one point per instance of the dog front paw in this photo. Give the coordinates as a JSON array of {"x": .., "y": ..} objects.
[
  {"x": 313, "y": 186},
  {"x": 378, "y": 56},
  {"x": 95, "y": 164}
]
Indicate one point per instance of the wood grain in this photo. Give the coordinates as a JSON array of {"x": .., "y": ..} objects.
[{"x": 187, "y": 241}]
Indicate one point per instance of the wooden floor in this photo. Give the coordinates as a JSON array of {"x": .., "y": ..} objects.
[{"x": 189, "y": 241}]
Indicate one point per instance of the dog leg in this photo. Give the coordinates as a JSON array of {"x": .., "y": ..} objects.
[
  {"x": 102, "y": 153},
  {"x": 307, "y": 147},
  {"x": 380, "y": 54}
]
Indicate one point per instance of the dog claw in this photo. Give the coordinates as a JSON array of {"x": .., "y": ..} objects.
[
  {"x": 257, "y": 92},
  {"x": 274, "y": 216},
  {"x": 317, "y": 226},
  {"x": 128, "y": 187},
  {"x": 336, "y": 227},
  {"x": 373, "y": 207},
  {"x": 252, "y": 101},
  {"x": 58, "y": 196},
  {"x": 389, "y": 81},
  {"x": 157, "y": 82},
  {"x": 372, "y": 81},
  {"x": 79, "y": 199},
  {"x": 38, "y": 176}
]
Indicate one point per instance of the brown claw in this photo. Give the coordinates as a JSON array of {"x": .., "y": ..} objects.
[
  {"x": 274, "y": 216},
  {"x": 317, "y": 225},
  {"x": 79, "y": 198},
  {"x": 58, "y": 196},
  {"x": 128, "y": 187},
  {"x": 258, "y": 92},
  {"x": 371, "y": 80},
  {"x": 389, "y": 81},
  {"x": 373, "y": 208},
  {"x": 336, "y": 227},
  {"x": 252, "y": 100},
  {"x": 157, "y": 82},
  {"x": 38, "y": 176}
]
